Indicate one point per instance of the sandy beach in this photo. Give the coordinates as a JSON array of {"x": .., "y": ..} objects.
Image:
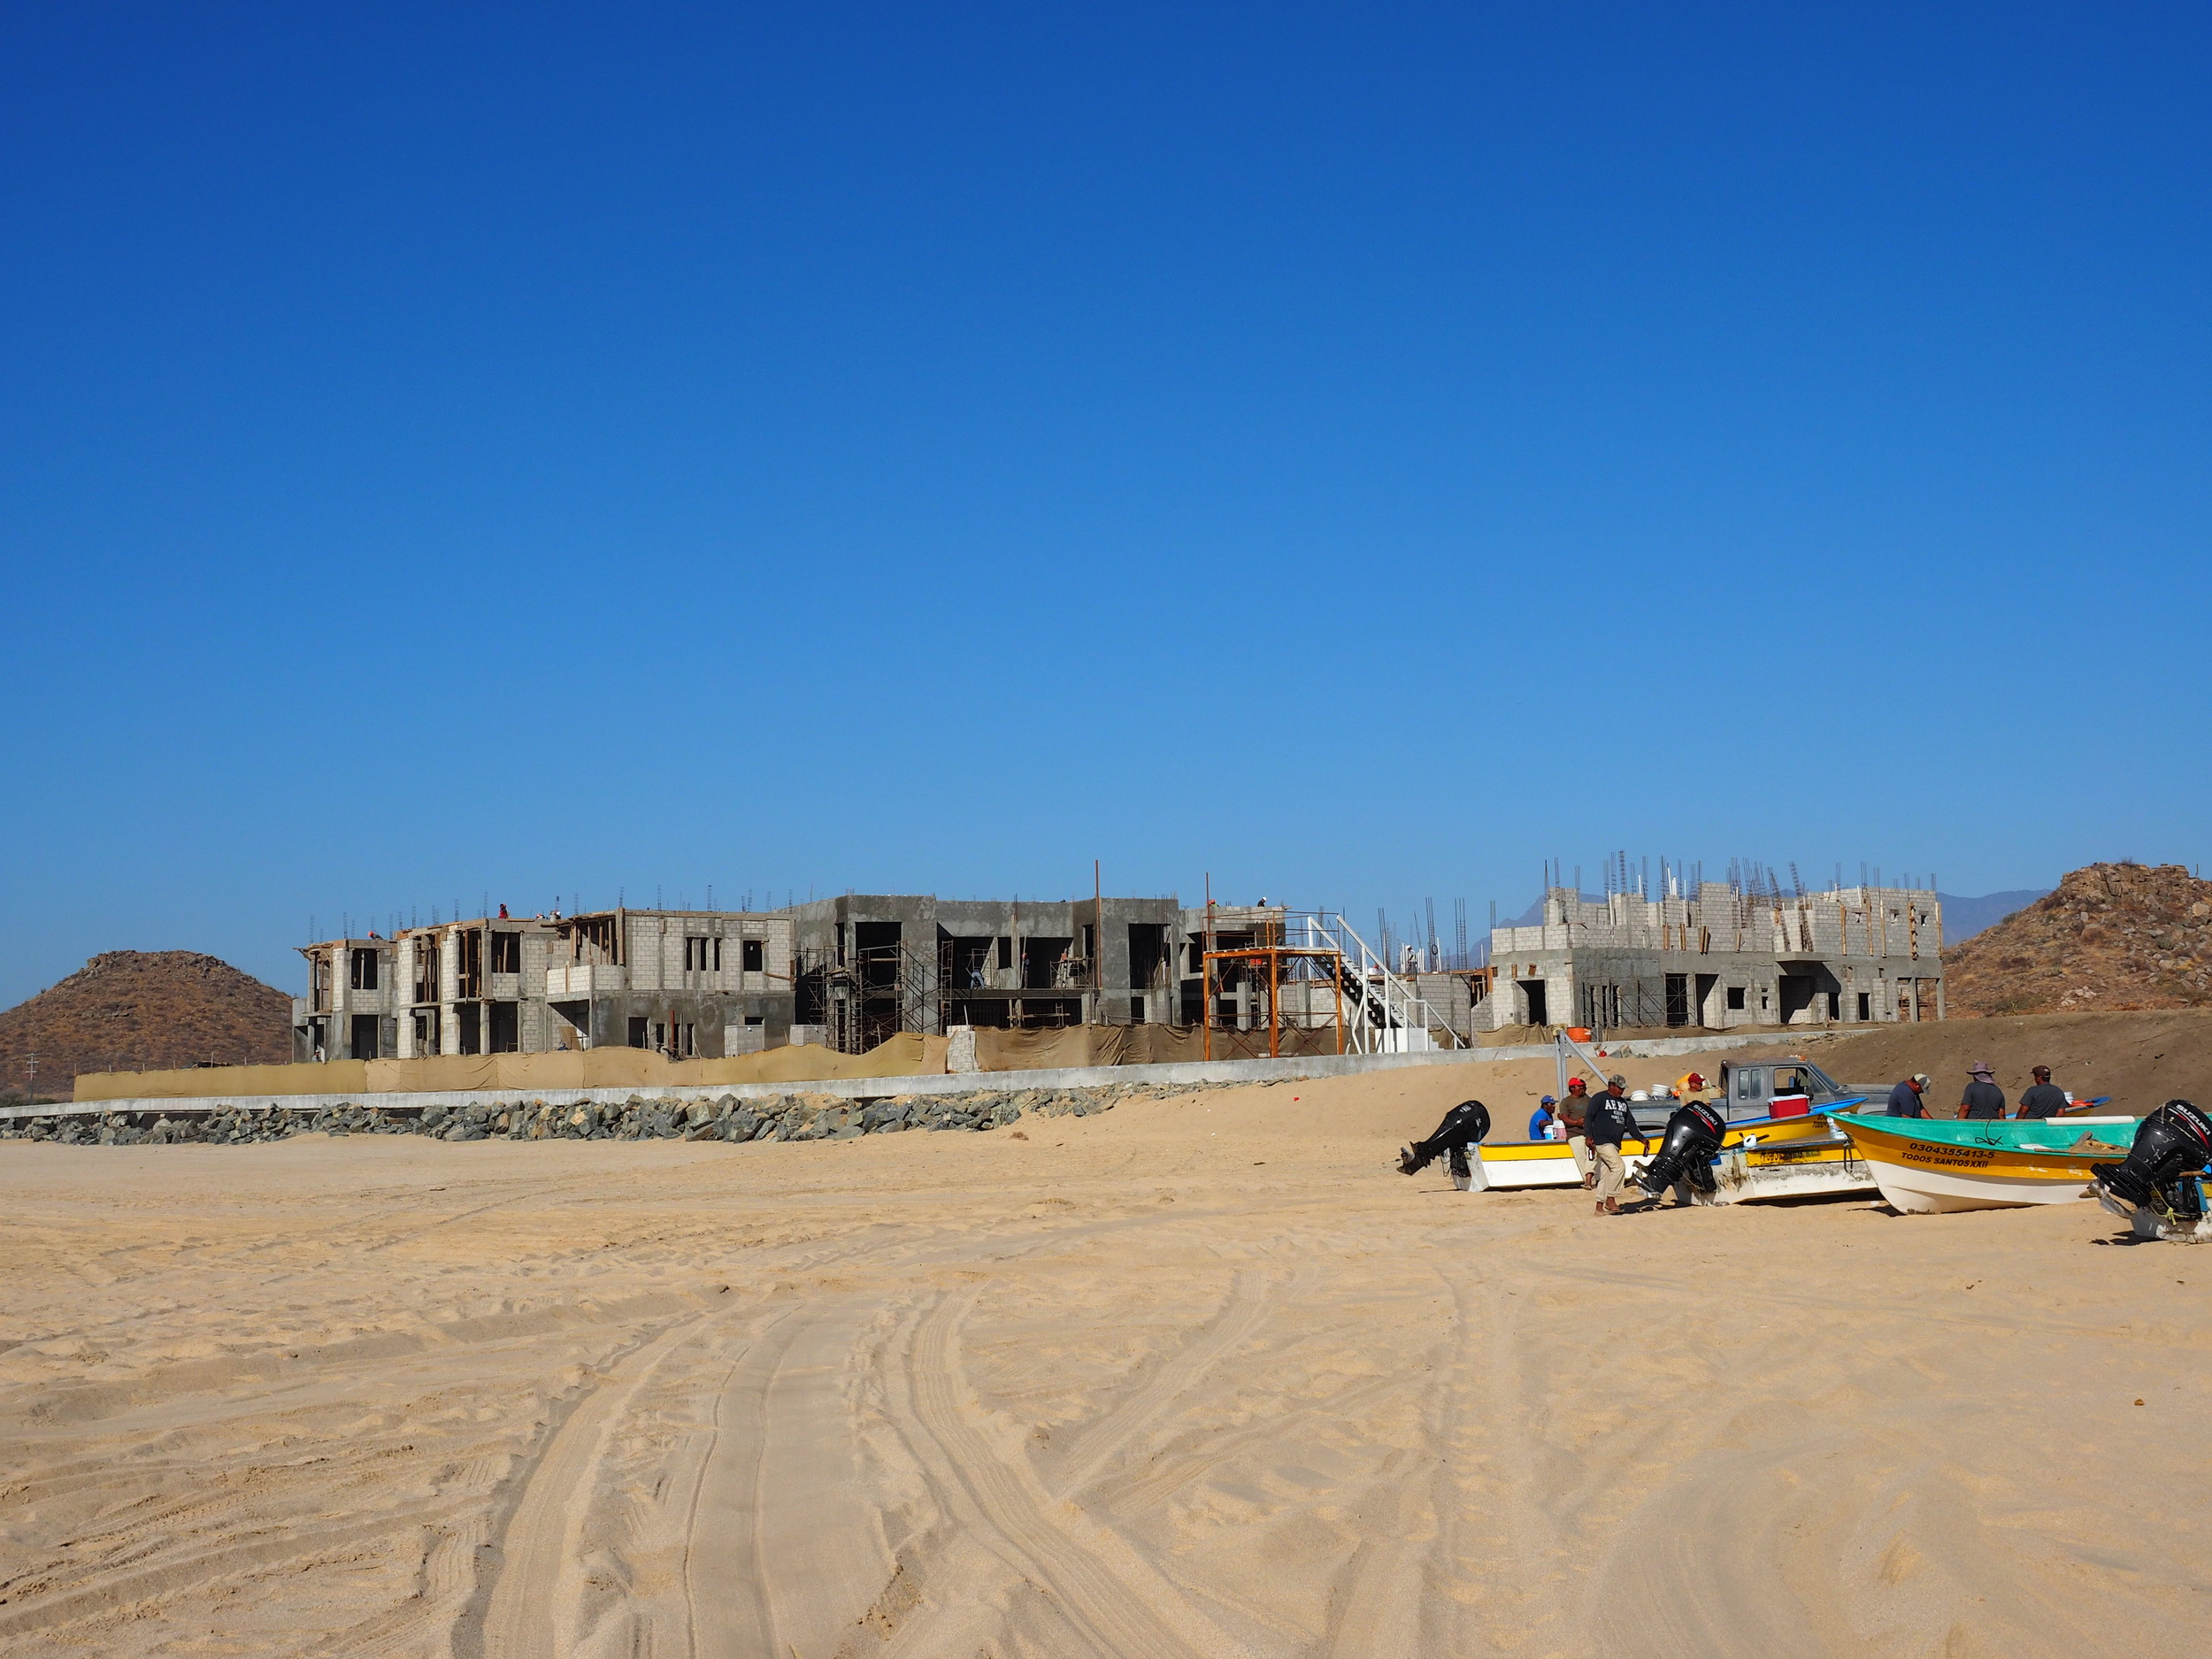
[{"x": 1196, "y": 1377}]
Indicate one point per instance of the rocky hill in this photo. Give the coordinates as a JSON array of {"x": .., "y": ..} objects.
[
  {"x": 128, "y": 1009},
  {"x": 2110, "y": 936}
]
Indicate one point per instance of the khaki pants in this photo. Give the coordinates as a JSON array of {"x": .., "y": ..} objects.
[
  {"x": 1612, "y": 1170},
  {"x": 1580, "y": 1148}
]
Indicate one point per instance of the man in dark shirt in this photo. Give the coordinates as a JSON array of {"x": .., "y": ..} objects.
[
  {"x": 1982, "y": 1098},
  {"x": 2042, "y": 1101},
  {"x": 1606, "y": 1125},
  {"x": 1904, "y": 1099}
]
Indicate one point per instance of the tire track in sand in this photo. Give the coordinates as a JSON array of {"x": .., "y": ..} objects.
[
  {"x": 784, "y": 1549},
  {"x": 948, "y": 1557},
  {"x": 539, "y": 1543},
  {"x": 1109, "y": 1598}
]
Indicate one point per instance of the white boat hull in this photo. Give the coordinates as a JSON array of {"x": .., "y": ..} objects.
[
  {"x": 1517, "y": 1168},
  {"x": 1740, "y": 1176},
  {"x": 1795, "y": 1158},
  {"x": 1931, "y": 1174},
  {"x": 1943, "y": 1193}
]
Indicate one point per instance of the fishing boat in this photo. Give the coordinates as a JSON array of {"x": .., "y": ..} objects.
[
  {"x": 1926, "y": 1166},
  {"x": 1760, "y": 1158},
  {"x": 1788, "y": 1157}
]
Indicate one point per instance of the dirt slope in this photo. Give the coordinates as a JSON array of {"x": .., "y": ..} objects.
[
  {"x": 2139, "y": 1059},
  {"x": 2110, "y": 936},
  {"x": 128, "y": 1009}
]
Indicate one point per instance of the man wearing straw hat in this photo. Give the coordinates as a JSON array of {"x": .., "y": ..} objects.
[{"x": 1982, "y": 1098}]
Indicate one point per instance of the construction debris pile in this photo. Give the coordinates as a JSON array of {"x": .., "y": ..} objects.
[{"x": 774, "y": 1117}]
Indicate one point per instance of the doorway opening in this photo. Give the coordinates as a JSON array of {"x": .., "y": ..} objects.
[{"x": 1539, "y": 1000}]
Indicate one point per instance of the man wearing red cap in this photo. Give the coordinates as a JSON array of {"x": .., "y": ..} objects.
[{"x": 1571, "y": 1113}]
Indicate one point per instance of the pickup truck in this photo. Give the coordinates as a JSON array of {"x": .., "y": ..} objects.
[{"x": 1749, "y": 1089}]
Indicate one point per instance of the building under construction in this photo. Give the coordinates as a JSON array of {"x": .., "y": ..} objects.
[
  {"x": 1714, "y": 954},
  {"x": 848, "y": 973},
  {"x": 688, "y": 983}
]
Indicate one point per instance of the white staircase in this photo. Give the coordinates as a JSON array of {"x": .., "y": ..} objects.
[{"x": 1383, "y": 1012}]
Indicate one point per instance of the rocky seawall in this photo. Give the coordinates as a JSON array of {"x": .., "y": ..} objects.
[{"x": 774, "y": 1117}]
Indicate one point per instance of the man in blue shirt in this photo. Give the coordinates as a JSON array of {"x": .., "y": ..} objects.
[
  {"x": 1904, "y": 1099},
  {"x": 1540, "y": 1123}
]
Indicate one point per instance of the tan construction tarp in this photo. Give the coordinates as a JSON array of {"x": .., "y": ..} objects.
[
  {"x": 1071, "y": 1046},
  {"x": 908, "y": 1053},
  {"x": 338, "y": 1077}
]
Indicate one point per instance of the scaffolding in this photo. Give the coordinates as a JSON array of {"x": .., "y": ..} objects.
[
  {"x": 1375, "y": 1010},
  {"x": 871, "y": 996},
  {"x": 1284, "y": 966}
]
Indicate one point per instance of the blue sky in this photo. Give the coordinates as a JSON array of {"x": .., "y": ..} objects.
[{"x": 1359, "y": 453}]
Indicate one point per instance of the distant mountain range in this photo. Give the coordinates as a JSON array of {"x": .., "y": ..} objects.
[{"x": 1963, "y": 915}]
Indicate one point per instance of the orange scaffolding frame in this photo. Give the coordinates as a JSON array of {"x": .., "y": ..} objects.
[{"x": 1275, "y": 955}]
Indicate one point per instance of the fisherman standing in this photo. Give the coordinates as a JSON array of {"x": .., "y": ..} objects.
[
  {"x": 1543, "y": 1121},
  {"x": 1571, "y": 1113},
  {"x": 1605, "y": 1125},
  {"x": 1982, "y": 1098},
  {"x": 2041, "y": 1100},
  {"x": 1904, "y": 1099}
]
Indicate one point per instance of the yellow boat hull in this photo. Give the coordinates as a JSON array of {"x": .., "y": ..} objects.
[
  {"x": 1926, "y": 1177},
  {"x": 1785, "y": 1157}
]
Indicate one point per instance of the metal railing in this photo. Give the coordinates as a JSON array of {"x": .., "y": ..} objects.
[{"x": 1382, "y": 1013}]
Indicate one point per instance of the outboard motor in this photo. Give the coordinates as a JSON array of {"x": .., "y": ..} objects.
[
  {"x": 1685, "y": 1152},
  {"x": 1463, "y": 1126},
  {"x": 2172, "y": 1145}
]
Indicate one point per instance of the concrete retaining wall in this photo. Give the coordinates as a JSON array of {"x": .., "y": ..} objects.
[{"x": 963, "y": 1083}]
